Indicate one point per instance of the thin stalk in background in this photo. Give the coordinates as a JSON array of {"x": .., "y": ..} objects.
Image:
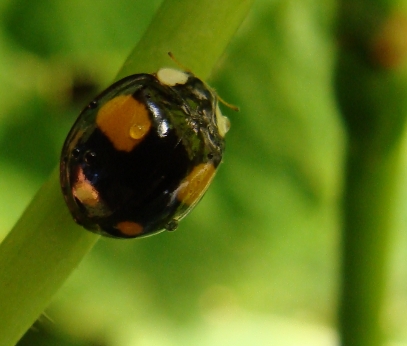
[
  {"x": 45, "y": 245},
  {"x": 371, "y": 86}
]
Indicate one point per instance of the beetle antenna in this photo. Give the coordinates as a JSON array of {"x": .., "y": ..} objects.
[
  {"x": 182, "y": 67},
  {"x": 227, "y": 104}
]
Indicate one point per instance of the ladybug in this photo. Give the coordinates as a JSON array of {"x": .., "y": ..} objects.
[{"x": 142, "y": 154}]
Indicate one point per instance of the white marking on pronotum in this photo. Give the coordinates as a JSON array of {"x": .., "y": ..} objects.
[
  {"x": 171, "y": 77},
  {"x": 222, "y": 121}
]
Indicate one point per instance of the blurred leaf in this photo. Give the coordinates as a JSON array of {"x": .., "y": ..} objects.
[{"x": 53, "y": 27}]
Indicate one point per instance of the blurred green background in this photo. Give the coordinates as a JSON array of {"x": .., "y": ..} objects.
[{"x": 257, "y": 262}]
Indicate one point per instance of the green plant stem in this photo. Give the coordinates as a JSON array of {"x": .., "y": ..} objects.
[
  {"x": 371, "y": 85},
  {"x": 196, "y": 32},
  {"x": 369, "y": 201},
  {"x": 36, "y": 258},
  {"x": 45, "y": 246}
]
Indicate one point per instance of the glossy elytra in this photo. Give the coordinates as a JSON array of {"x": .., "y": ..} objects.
[{"x": 142, "y": 154}]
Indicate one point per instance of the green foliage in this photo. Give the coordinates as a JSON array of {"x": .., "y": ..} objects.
[{"x": 265, "y": 240}]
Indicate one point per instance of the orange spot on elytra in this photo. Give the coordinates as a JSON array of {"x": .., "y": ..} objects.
[
  {"x": 84, "y": 191},
  {"x": 196, "y": 183},
  {"x": 389, "y": 45},
  {"x": 129, "y": 228},
  {"x": 125, "y": 121}
]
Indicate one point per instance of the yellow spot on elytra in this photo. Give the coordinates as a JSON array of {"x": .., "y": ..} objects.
[
  {"x": 125, "y": 121},
  {"x": 129, "y": 228},
  {"x": 196, "y": 183}
]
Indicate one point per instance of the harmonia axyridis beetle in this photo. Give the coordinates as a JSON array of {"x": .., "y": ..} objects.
[{"x": 142, "y": 154}]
